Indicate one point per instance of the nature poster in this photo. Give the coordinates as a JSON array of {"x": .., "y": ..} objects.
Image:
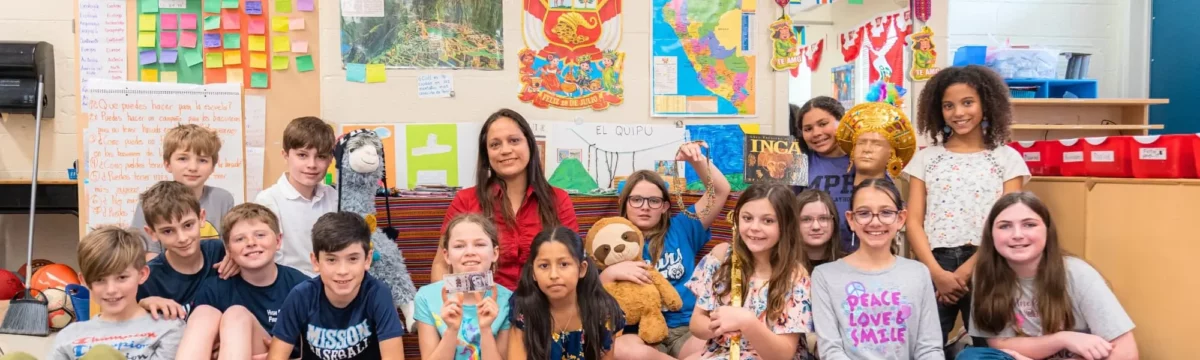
[{"x": 445, "y": 34}]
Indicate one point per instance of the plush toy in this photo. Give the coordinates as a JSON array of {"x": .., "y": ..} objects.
[
  {"x": 360, "y": 170},
  {"x": 614, "y": 240}
]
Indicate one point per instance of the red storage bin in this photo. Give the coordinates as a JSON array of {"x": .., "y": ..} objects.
[
  {"x": 1162, "y": 156},
  {"x": 1042, "y": 157},
  {"x": 1072, "y": 155},
  {"x": 1195, "y": 140},
  {"x": 1108, "y": 156}
]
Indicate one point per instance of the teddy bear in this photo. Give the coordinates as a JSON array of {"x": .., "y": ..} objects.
[{"x": 614, "y": 240}]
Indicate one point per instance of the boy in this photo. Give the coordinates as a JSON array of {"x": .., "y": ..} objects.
[
  {"x": 239, "y": 312},
  {"x": 190, "y": 153},
  {"x": 174, "y": 218},
  {"x": 113, "y": 263},
  {"x": 300, "y": 196},
  {"x": 344, "y": 313}
]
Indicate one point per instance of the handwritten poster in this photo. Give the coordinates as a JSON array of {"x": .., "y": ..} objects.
[
  {"x": 607, "y": 150},
  {"x": 123, "y": 149},
  {"x": 102, "y": 45},
  {"x": 435, "y": 86}
]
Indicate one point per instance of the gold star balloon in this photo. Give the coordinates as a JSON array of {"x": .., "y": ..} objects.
[{"x": 884, "y": 119}]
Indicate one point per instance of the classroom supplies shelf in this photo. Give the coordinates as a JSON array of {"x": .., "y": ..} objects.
[
  {"x": 1046, "y": 119},
  {"x": 1057, "y": 88}
]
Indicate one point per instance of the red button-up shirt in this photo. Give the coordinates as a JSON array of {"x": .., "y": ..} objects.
[{"x": 515, "y": 242}]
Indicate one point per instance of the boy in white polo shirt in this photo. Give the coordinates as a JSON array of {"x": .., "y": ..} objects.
[{"x": 300, "y": 196}]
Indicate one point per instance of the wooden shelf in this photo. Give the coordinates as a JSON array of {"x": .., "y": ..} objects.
[
  {"x": 1084, "y": 127},
  {"x": 1088, "y": 102}
]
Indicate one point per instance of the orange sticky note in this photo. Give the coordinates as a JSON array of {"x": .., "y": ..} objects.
[
  {"x": 281, "y": 44},
  {"x": 150, "y": 75},
  {"x": 233, "y": 57},
  {"x": 279, "y": 23},
  {"x": 233, "y": 75},
  {"x": 258, "y": 61},
  {"x": 258, "y": 43},
  {"x": 169, "y": 77}
]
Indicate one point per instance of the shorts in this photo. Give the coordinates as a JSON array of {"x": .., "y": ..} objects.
[{"x": 672, "y": 344}]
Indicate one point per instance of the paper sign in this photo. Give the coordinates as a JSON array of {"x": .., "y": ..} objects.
[
  {"x": 283, "y": 6},
  {"x": 187, "y": 21},
  {"x": 281, "y": 44},
  {"x": 192, "y": 57},
  {"x": 169, "y": 39},
  {"x": 304, "y": 5},
  {"x": 258, "y": 80},
  {"x": 212, "y": 22},
  {"x": 172, "y": 4},
  {"x": 304, "y": 63},
  {"x": 168, "y": 77},
  {"x": 169, "y": 56},
  {"x": 280, "y": 62},
  {"x": 231, "y": 21},
  {"x": 254, "y": 160},
  {"x": 254, "y": 7},
  {"x": 234, "y": 75},
  {"x": 147, "y": 39},
  {"x": 435, "y": 86},
  {"x": 147, "y": 57},
  {"x": 147, "y": 22},
  {"x": 258, "y": 61},
  {"x": 213, "y": 60},
  {"x": 169, "y": 21},
  {"x": 212, "y": 40},
  {"x": 258, "y": 43},
  {"x": 233, "y": 57},
  {"x": 102, "y": 56},
  {"x": 212, "y": 6},
  {"x": 187, "y": 39},
  {"x": 233, "y": 41},
  {"x": 356, "y": 73},
  {"x": 362, "y": 8},
  {"x": 256, "y": 122},
  {"x": 258, "y": 26},
  {"x": 376, "y": 73},
  {"x": 299, "y": 47},
  {"x": 150, "y": 75},
  {"x": 278, "y": 24},
  {"x": 227, "y": 4},
  {"x": 296, "y": 23},
  {"x": 149, "y": 6}
]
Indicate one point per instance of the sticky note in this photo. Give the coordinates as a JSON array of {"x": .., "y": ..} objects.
[
  {"x": 296, "y": 23},
  {"x": 233, "y": 75},
  {"x": 149, "y": 6},
  {"x": 213, "y": 60},
  {"x": 304, "y": 5},
  {"x": 168, "y": 39},
  {"x": 304, "y": 63},
  {"x": 254, "y": 7},
  {"x": 187, "y": 21},
  {"x": 283, "y": 6},
  {"x": 169, "y": 21},
  {"x": 278, "y": 24},
  {"x": 258, "y": 43},
  {"x": 147, "y": 57},
  {"x": 258, "y": 80},
  {"x": 281, "y": 44},
  {"x": 233, "y": 57},
  {"x": 228, "y": 4},
  {"x": 147, "y": 39},
  {"x": 147, "y": 22},
  {"x": 169, "y": 56},
  {"x": 299, "y": 47},
  {"x": 212, "y": 6},
  {"x": 257, "y": 26},
  {"x": 356, "y": 73},
  {"x": 150, "y": 75},
  {"x": 169, "y": 77},
  {"x": 192, "y": 57},
  {"x": 231, "y": 21},
  {"x": 280, "y": 62},
  {"x": 187, "y": 39},
  {"x": 212, "y": 40},
  {"x": 233, "y": 41},
  {"x": 376, "y": 73},
  {"x": 258, "y": 61},
  {"x": 212, "y": 22}
]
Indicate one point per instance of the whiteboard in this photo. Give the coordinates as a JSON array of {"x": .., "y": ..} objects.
[{"x": 609, "y": 150}]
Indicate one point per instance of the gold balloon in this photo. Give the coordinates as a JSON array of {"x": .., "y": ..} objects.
[{"x": 884, "y": 119}]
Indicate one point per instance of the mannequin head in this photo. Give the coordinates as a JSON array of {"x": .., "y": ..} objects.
[{"x": 879, "y": 139}]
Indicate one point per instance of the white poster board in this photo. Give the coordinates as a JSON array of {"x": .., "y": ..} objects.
[{"x": 607, "y": 150}]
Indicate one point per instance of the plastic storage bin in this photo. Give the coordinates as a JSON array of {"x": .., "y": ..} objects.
[
  {"x": 970, "y": 55},
  {"x": 1163, "y": 156},
  {"x": 1195, "y": 140},
  {"x": 1017, "y": 63},
  {"x": 1071, "y": 151},
  {"x": 1044, "y": 158},
  {"x": 1108, "y": 156}
]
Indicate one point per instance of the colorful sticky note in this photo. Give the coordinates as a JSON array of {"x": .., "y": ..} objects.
[
  {"x": 147, "y": 39},
  {"x": 228, "y": 4},
  {"x": 258, "y": 80},
  {"x": 258, "y": 61},
  {"x": 150, "y": 75},
  {"x": 296, "y": 23},
  {"x": 304, "y": 5},
  {"x": 147, "y": 22},
  {"x": 231, "y": 21},
  {"x": 187, "y": 39},
  {"x": 149, "y": 6},
  {"x": 187, "y": 21},
  {"x": 192, "y": 57},
  {"x": 234, "y": 75},
  {"x": 169, "y": 21},
  {"x": 356, "y": 73},
  {"x": 147, "y": 57},
  {"x": 257, "y": 26},
  {"x": 855, "y": 2},
  {"x": 168, "y": 39},
  {"x": 299, "y": 47},
  {"x": 233, "y": 57},
  {"x": 376, "y": 73},
  {"x": 212, "y": 6},
  {"x": 169, "y": 56},
  {"x": 258, "y": 43},
  {"x": 212, "y": 40},
  {"x": 233, "y": 41},
  {"x": 213, "y": 60},
  {"x": 304, "y": 63},
  {"x": 281, "y": 44},
  {"x": 283, "y": 6},
  {"x": 212, "y": 22},
  {"x": 168, "y": 77},
  {"x": 278, "y": 24},
  {"x": 280, "y": 62},
  {"x": 254, "y": 7}
]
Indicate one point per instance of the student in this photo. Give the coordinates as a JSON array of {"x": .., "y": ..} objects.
[
  {"x": 774, "y": 315},
  {"x": 672, "y": 243},
  {"x": 1037, "y": 301},
  {"x": 560, "y": 310},
  {"x": 345, "y": 313},
  {"x": 173, "y": 218},
  {"x": 828, "y": 165},
  {"x": 873, "y": 304},
  {"x": 239, "y": 312},
  {"x": 818, "y": 226},
  {"x": 478, "y": 322},
  {"x": 512, "y": 190},
  {"x": 190, "y": 154},
  {"x": 301, "y": 196},
  {"x": 112, "y": 263},
  {"x": 954, "y": 181}
]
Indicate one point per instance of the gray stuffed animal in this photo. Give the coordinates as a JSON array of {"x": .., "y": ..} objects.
[{"x": 360, "y": 169}]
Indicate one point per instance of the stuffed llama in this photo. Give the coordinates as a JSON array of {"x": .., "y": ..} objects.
[{"x": 360, "y": 167}]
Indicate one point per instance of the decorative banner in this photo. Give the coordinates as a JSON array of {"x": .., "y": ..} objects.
[
  {"x": 851, "y": 43},
  {"x": 811, "y": 54},
  {"x": 883, "y": 35},
  {"x": 785, "y": 39},
  {"x": 571, "y": 59},
  {"x": 921, "y": 9},
  {"x": 924, "y": 58}
]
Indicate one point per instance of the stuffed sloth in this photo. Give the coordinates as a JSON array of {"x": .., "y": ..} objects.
[
  {"x": 614, "y": 240},
  {"x": 360, "y": 168}
]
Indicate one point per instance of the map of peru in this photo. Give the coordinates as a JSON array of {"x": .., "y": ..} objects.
[{"x": 711, "y": 36}]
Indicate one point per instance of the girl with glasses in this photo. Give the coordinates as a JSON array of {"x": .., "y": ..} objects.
[{"x": 819, "y": 225}]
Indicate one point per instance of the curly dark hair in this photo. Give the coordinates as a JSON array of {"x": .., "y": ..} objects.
[
  {"x": 796, "y": 123},
  {"x": 993, "y": 96}
]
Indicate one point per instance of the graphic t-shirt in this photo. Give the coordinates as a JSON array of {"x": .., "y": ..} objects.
[
  {"x": 833, "y": 176},
  {"x": 322, "y": 331},
  {"x": 167, "y": 283},
  {"x": 876, "y": 315},
  {"x": 140, "y": 338},
  {"x": 685, "y": 237},
  {"x": 1094, "y": 305},
  {"x": 429, "y": 308},
  {"x": 264, "y": 302},
  {"x": 568, "y": 345},
  {"x": 215, "y": 202}
]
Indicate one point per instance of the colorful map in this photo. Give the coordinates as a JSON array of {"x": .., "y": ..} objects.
[{"x": 703, "y": 58}]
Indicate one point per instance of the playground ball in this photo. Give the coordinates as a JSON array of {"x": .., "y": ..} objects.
[
  {"x": 10, "y": 285},
  {"x": 56, "y": 276},
  {"x": 60, "y": 318},
  {"x": 57, "y": 299}
]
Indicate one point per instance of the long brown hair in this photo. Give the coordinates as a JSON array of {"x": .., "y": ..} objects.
[
  {"x": 831, "y": 251},
  {"x": 995, "y": 283},
  {"x": 787, "y": 253},
  {"x": 535, "y": 177},
  {"x": 654, "y": 237}
]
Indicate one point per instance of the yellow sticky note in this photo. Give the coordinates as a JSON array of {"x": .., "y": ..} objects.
[
  {"x": 281, "y": 44},
  {"x": 258, "y": 61},
  {"x": 375, "y": 73},
  {"x": 280, "y": 62},
  {"x": 149, "y": 22},
  {"x": 233, "y": 75},
  {"x": 279, "y": 23},
  {"x": 233, "y": 57},
  {"x": 213, "y": 60},
  {"x": 146, "y": 39},
  {"x": 258, "y": 43},
  {"x": 150, "y": 75},
  {"x": 169, "y": 77}
]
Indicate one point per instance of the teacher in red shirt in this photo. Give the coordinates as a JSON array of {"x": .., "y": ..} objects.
[{"x": 511, "y": 189}]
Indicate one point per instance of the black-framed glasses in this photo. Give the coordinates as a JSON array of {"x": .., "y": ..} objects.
[
  {"x": 652, "y": 202},
  {"x": 886, "y": 217},
  {"x": 808, "y": 221}
]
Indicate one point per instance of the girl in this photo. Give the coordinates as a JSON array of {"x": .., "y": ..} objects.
[
  {"x": 671, "y": 245},
  {"x": 512, "y": 192},
  {"x": 818, "y": 225},
  {"x": 953, "y": 182},
  {"x": 469, "y": 245},
  {"x": 560, "y": 309},
  {"x": 774, "y": 315},
  {"x": 1035, "y": 300},
  {"x": 873, "y": 304},
  {"x": 816, "y": 124}
]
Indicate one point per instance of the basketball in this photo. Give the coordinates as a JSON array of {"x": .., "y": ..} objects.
[
  {"x": 37, "y": 264},
  {"x": 56, "y": 276},
  {"x": 10, "y": 285}
]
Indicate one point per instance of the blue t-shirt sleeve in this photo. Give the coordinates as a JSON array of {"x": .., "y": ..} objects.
[
  {"x": 292, "y": 315},
  {"x": 207, "y": 294},
  {"x": 387, "y": 320},
  {"x": 697, "y": 234},
  {"x": 423, "y": 303},
  {"x": 502, "y": 300},
  {"x": 142, "y": 292},
  {"x": 214, "y": 251}
]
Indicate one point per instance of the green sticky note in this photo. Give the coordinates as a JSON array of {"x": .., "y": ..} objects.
[
  {"x": 213, "y": 60},
  {"x": 229, "y": 4},
  {"x": 280, "y": 62},
  {"x": 233, "y": 41},
  {"x": 283, "y": 6},
  {"x": 192, "y": 57},
  {"x": 258, "y": 80},
  {"x": 212, "y": 6},
  {"x": 212, "y": 22},
  {"x": 149, "y": 6},
  {"x": 855, "y": 2},
  {"x": 304, "y": 63}
]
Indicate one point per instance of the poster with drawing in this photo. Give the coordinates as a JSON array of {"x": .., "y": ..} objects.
[
  {"x": 608, "y": 150},
  {"x": 843, "y": 84},
  {"x": 432, "y": 154},
  {"x": 571, "y": 58}
]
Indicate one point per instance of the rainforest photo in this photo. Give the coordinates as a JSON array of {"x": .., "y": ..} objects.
[{"x": 445, "y": 34}]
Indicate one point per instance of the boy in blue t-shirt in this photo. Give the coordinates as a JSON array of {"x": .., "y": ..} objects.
[
  {"x": 238, "y": 312},
  {"x": 343, "y": 313}
]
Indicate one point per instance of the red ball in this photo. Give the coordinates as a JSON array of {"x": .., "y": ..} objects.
[
  {"x": 10, "y": 285},
  {"x": 56, "y": 276}
]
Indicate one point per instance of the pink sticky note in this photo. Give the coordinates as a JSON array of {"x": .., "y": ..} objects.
[
  {"x": 230, "y": 20},
  {"x": 169, "y": 39},
  {"x": 299, "y": 47},
  {"x": 169, "y": 21},
  {"x": 296, "y": 23},
  {"x": 187, "y": 22},
  {"x": 258, "y": 26},
  {"x": 188, "y": 39}
]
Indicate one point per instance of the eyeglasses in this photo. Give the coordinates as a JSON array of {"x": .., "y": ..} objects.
[
  {"x": 652, "y": 202},
  {"x": 886, "y": 217},
  {"x": 809, "y": 220}
]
